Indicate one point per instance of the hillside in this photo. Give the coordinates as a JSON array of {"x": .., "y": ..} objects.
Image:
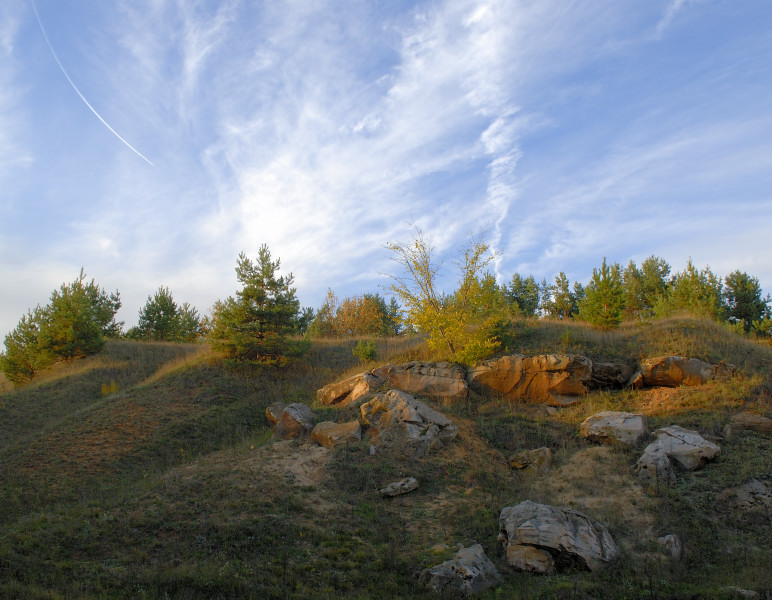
[{"x": 148, "y": 471}]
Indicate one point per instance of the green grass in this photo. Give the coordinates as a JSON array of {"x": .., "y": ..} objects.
[{"x": 166, "y": 484}]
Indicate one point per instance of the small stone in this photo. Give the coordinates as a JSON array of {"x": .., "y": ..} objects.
[
  {"x": 398, "y": 488},
  {"x": 537, "y": 461}
]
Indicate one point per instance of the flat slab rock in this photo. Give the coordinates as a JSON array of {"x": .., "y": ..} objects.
[
  {"x": 331, "y": 435},
  {"x": 348, "y": 391},
  {"x": 611, "y": 427},
  {"x": 469, "y": 572},
  {"x": 544, "y": 539}
]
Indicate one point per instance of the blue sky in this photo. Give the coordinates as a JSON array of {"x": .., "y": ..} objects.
[{"x": 570, "y": 130}]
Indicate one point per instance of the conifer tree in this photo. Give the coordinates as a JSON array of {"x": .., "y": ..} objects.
[
  {"x": 255, "y": 325},
  {"x": 604, "y": 298}
]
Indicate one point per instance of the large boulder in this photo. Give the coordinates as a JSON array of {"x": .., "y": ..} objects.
[
  {"x": 347, "y": 391},
  {"x": 545, "y": 539},
  {"x": 611, "y": 374},
  {"x": 610, "y": 427},
  {"x": 296, "y": 420},
  {"x": 674, "y": 371},
  {"x": 402, "y": 425},
  {"x": 687, "y": 449},
  {"x": 754, "y": 495},
  {"x": 438, "y": 380},
  {"x": 469, "y": 572},
  {"x": 398, "y": 488},
  {"x": 676, "y": 447},
  {"x": 555, "y": 379},
  {"x": 331, "y": 435}
]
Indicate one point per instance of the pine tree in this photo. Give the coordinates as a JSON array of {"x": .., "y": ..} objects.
[
  {"x": 742, "y": 294},
  {"x": 255, "y": 325},
  {"x": 604, "y": 297}
]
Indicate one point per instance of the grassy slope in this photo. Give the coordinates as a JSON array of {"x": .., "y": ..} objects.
[{"x": 169, "y": 487}]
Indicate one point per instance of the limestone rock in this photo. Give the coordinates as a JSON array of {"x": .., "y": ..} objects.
[
  {"x": 673, "y": 546},
  {"x": 654, "y": 467},
  {"x": 469, "y": 572},
  {"x": 545, "y": 539},
  {"x": 538, "y": 460},
  {"x": 273, "y": 412},
  {"x": 673, "y": 371},
  {"x": 296, "y": 420},
  {"x": 751, "y": 422},
  {"x": 404, "y": 426},
  {"x": 331, "y": 435},
  {"x": 397, "y": 488},
  {"x": 555, "y": 379},
  {"x": 343, "y": 393},
  {"x": 439, "y": 380},
  {"x": 739, "y": 592},
  {"x": 610, "y": 374},
  {"x": 754, "y": 495},
  {"x": 687, "y": 449},
  {"x": 615, "y": 427}
]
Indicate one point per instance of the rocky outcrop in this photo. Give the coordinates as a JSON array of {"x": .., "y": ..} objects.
[
  {"x": 296, "y": 420},
  {"x": 331, "y": 435},
  {"x": 676, "y": 447},
  {"x": 343, "y": 393},
  {"x": 469, "y": 572},
  {"x": 555, "y": 379},
  {"x": 545, "y": 539},
  {"x": 609, "y": 427},
  {"x": 610, "y": 374},
  {"x": 537, "y": 461},
  {"x": 402, "y": 425},
  {"x": 438, "y": 380},
  {"x": 674, "y": 371},
  {"x": 398, "y": 488}
]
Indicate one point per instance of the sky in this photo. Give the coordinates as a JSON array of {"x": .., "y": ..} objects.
[{"x": 149, "y": 142}]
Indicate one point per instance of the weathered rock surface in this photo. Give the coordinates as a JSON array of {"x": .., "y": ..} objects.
[
  {"x": 469, "y": 572},
  {"x": 440, "y": 380},
  {"x": 673, "y": 371},
  {"x": 654, "y": 467},
  {"x": 397, "y": 488},
  {"x": 673, "y": 546},
  {"x": 555, "y": 379},
  {"x": 331, "y": 435},
  {"x": 610, "y": 427},
  {"x": 273, "y": 412},
  {"x": 296, "y": 420},
  {"x": 404, "y": 426},
  {"x": 754, "y": 495},
  {"x": 687, "y": 449},
  {"x": 538, "y": 460},
  {"x": 610, "y": 374},
  {"x": 676, "y": 447},
  {"x": 749, "y": 422},
  {"x": 347, "y": 391},
  {"x": 545, "y": 539}
]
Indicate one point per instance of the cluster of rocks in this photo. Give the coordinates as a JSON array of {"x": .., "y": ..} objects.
[
  {"x": 552, "y": 379},
  {"x": 395, "y": 421}
]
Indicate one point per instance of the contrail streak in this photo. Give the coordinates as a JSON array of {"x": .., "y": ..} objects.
[{"x": 77, "y": 91}]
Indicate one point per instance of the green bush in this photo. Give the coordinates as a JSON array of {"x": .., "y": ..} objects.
[{"x": 365, "y": 351}]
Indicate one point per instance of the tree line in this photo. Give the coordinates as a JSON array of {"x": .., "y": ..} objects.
[{"x": 263, "y": 322}]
